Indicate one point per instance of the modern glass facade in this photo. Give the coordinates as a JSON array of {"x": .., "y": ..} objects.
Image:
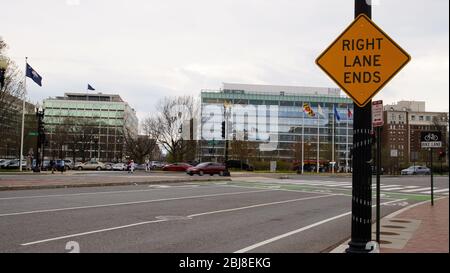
[
  {"x": 274, "y": 121},
  {"x": 98, "y": 120}
]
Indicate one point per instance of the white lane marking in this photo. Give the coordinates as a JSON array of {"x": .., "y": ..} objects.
[
  {"x": 394, "y": 189},
  {"x": 328, "y": 183},
  {"x": 394, "y": 214},
  {"x": 421, "y": 189},
  {"x": 131, "y": 203},
  {"x": 91, "y": 232},
  {"x": 262, "y": 205},
  {"x": 302, "y": 191},
  {"x": 334, "y": 185},
  {"x": 246, "y": 249},
  {"x": 87, "y": 193},
  {"x": 162, "y": 220},
  {"x": 389, "y": 186},
  {"x": 437, "y": 191}
]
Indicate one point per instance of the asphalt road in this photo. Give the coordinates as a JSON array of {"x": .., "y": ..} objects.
[{"x": 248, "y": 214}]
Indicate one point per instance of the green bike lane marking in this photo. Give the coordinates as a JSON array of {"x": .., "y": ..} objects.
[{"x": 316, "y": 189}]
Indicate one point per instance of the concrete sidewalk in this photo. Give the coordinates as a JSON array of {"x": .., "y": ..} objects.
[{"x": 419, "y": 228}]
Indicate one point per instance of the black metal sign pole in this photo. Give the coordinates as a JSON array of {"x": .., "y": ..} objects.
[
  {"x": 431, "y": 174},
  {"x": 378, "y": 181},
  {"x": 362, "y": 173}
]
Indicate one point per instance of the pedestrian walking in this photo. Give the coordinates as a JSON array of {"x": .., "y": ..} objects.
[
  {"x": 52, "y": 166},
  {"x": 147, "y": 165},
  {"x": 132, "y": 166}
]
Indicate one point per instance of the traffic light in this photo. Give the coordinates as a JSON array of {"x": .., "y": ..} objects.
[{"x": 223, "y": 129}]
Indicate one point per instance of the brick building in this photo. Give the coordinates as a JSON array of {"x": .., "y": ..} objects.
[{"x": 403, "y": 123}]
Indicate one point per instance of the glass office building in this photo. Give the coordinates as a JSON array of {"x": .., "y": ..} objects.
[
  {"x": 87, "y": 126},
  {"x": 274, "y": 120}
]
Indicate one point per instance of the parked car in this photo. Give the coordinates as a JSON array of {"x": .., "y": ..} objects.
[
  {"x": 239, "y": 165},
  {"x": 156, "y": 164},
  {"x": 59, "y": 166},
  {"x": 139, "y": 166},
  {"x": 14, "y": 164},
  {"x": 90, "y": 165},
  {"x": 109, "y": 166},
  {"x": 69, "y": 164},
  {"x": 119, "y": 167},
  {"x": 210, "y": 168},
  {"x": 177, "y": 167},
  {"x": 4, "y": 163},
  {"x": 413, "y": 170}
]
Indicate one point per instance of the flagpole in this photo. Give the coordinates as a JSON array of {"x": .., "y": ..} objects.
[
  {"x": 23, "y": 115},
  {"x": 318, "y": 138},
  {"x": 346, "y": 143},
  {"x": 332, "y": 145},
  {"x": 303, "y": 137}
]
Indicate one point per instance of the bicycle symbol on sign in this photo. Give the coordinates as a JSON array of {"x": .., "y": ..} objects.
[{"x": 431, "y": 137}]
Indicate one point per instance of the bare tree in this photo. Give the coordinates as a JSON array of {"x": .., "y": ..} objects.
[
  {"x": 10, "y": 105},
  {"x": 139, "y": 147},
  {"x": 77, "y": 133},
  {"x": 166, "y": 126},
  {"x": 13, "y": 89}
]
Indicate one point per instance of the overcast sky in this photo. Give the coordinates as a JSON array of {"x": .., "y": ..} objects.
[{"x": 144, "y": 50}]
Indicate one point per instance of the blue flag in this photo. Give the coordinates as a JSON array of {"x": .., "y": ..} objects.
[
  {"x": 90, "y": 87},
  {"x": 336, "y": 114},
  {"x": 31, "y": 73}
]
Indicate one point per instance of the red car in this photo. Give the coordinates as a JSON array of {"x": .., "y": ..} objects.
[
  {"x": 177, "y": 167},
  {"x": 210, "y": 168}
]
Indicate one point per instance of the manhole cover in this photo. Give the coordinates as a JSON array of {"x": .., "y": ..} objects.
[
  {"x": 171, "y": 217},
  {"x": 391, "y": 226},
  {"x": 400, "y": 221},
  {"x": 388, "y": 233},
  {"x": 383, "y": 242}
]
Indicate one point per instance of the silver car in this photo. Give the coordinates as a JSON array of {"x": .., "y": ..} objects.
[
  {"x": 413, "y": 170},
  {"x": 91, "y": 165}
]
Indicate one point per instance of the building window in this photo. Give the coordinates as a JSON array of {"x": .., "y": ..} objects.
[
  {"x": 420, "y": 118},
  {"x": 413, "y": 117},
  {"x": 427, "y": 118}
]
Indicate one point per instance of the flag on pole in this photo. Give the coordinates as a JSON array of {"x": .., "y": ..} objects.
[
  {"x": 31, "y": 73},
  {"x": 336, "y": 114},
  {"x": 90, "y": 87},
  {"x": 349, "y": 113},
  {"x": 319, "y": 110},
  {"x": 307, "y": 109}
]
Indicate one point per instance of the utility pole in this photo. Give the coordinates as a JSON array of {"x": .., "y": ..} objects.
[{"x": 362, "y": 173}]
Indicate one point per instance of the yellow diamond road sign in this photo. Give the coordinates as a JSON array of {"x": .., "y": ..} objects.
[{"x": 362, "y": 60}]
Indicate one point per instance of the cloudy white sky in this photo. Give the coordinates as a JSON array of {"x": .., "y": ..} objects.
[{"x": 144, "y": 50}]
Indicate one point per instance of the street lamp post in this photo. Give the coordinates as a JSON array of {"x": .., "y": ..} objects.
[{"x": 40, "y": 139}]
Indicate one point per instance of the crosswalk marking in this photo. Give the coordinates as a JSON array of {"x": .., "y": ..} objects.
[
  {"x": 394, "y": 189},
  {"x": 420, "y": 189},
  {"x": 436, "y": 191},
  {"x": 383, "y": 187},
  {"x": 389, "y": 186}
]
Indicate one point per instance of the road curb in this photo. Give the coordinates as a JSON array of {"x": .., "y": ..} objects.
[{"x": 105, "y": 184}]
